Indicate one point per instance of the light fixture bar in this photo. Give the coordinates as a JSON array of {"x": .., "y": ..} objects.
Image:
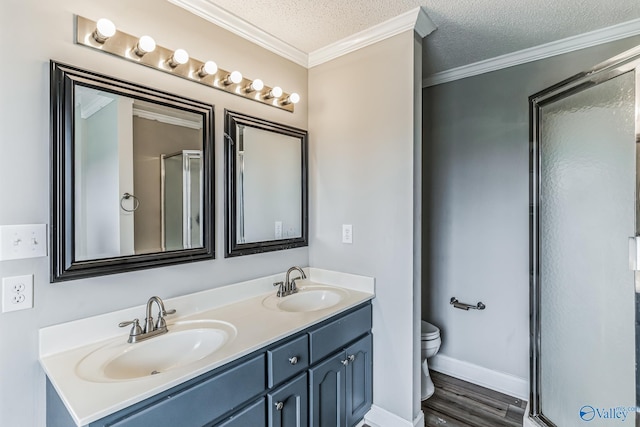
[{"x": 124, "y": 46}]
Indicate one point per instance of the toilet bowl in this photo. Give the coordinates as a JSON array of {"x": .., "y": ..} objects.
[{"x": 430, "y": 344}]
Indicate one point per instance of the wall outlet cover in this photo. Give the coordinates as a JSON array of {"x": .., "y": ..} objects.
[
  {"x": 17, "y": 293},
  {"x": 347, "y": 233}
]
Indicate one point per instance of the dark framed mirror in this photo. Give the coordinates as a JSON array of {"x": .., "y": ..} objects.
[
  {"x": 266, "y": 188},
  {"x": 132, "y": 176}
]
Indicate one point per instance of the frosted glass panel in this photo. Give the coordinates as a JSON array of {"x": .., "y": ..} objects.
[{"x": 587, "y": 199}]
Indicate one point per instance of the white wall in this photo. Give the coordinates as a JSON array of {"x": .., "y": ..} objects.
[
  {"x": 476, "y": 209},
  {"x": 361, "y": 132},
  {"x": 34, "y": 31}
]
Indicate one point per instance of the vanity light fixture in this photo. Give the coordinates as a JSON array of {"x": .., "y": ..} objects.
[
  {"x": 234, "y": 77},
  {"x": 103, "y": 35},
  {"x": 275, "y": 92},
  {"x": 207, "y": 69},
  {"x": 256, "y": 85},
  {"x": 104, "y": 30},
  {"x": 294, "y": 98},
  {"x": 146, "y": 44},
  {"x": 179, "y": 57}
]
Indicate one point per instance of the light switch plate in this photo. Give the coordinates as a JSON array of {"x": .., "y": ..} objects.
[{"x": 23, "y": 241}]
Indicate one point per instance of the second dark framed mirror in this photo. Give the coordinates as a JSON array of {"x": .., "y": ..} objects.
[{"x": 266, "y": 188}]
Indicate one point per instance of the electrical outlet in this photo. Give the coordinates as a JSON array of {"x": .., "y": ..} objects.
[
  {"x": 347, "y": 233},
  {"x": 17, "y": 293}
]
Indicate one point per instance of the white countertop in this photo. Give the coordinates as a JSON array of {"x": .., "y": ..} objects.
[{"x": 63, "y": 346}]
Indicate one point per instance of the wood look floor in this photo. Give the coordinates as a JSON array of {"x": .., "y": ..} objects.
[{"x": 457, "y": 403}]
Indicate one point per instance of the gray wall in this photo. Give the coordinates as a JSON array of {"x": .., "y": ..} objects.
[
  {"x": 476, "y": 206},
  {"x": 361, "y": 133},
  {"x": 33, "y": 32}
]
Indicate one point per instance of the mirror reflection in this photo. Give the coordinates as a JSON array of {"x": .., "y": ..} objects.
[
  {"x": 132, "y": 176},
  {"x": 269, "y": 202},
  {"x": 138, "y": 176},
  {"x": 266, "y": 185}
]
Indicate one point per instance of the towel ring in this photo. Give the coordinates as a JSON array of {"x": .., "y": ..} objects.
[{"x": 136, "y": 202}]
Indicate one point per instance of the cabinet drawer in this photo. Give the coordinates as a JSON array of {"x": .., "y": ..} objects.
[
  {"x": 335, "y": 335},
  {"x": 202, "y": 403},
  {"x": 287, "y": 360},
  {"x": 254, "y": 415}
]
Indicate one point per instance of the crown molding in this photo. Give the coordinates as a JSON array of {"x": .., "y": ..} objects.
[
  {"x": 415, "y": 19},
  {"x": 536, "y": 53},
  {"x": 242, "y": 28}
]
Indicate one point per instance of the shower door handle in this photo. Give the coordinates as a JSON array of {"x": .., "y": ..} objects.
[{"x": 634, "y": 253}]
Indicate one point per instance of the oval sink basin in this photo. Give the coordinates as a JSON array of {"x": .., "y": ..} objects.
[
  {"x": 308, "y": 298},
  {"x": 185, "y": 343}
]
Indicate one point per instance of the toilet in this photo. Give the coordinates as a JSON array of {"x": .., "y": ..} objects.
[{"x": 430, "y": 344}]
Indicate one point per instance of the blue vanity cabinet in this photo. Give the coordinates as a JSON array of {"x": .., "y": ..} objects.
[
  {"x": 317, "y": 377},
  {"x": 340, "y": 387}
]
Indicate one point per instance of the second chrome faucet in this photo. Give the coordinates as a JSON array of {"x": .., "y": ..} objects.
[
  {"x": 289, "y": 287},
  {"x": 151, "y": 329}
]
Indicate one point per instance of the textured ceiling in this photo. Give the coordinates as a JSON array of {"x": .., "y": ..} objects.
[
  {"x": 473, "y": 30},
  {"x": 312, "y": 24},
  {"x": 468, "y": 30}
]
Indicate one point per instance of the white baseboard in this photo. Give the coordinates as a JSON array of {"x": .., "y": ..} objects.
[
  {"x": 378, "y": 417},
  {"x": 494, "y": 380}
]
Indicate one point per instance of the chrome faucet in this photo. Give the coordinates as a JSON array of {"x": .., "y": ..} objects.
[
  {"x": 288, "y": 287},
  {"x": 138, "y": 334}
]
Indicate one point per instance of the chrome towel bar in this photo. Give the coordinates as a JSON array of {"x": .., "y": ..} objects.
[{"x": 462, "y": 306}]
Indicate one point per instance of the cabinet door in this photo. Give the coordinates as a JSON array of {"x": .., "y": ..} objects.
[
  {"x": 288, "y": 405},
  {"x": 327, "y": 393},
  {"x": 359, "y": 386}
]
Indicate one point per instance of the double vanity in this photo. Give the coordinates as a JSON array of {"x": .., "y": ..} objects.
[{"x": 240, "y": 355}]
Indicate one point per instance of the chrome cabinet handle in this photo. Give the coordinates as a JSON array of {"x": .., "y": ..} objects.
[
  {"x": 293, "y": 360},
  {"x": 279, "y": 406},
  {"x": 348, "y": 360}
]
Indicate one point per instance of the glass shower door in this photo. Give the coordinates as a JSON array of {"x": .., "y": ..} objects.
[{"x": 584, "y": 211}]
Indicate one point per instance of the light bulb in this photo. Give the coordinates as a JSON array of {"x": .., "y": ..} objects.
[
  {"x": 145, "y": 45},
  {"x": 234, "y": 78},
  {"x": 104, "y": 29},
  {"x": 276, "y": 92},
  {"x": 257, "y": 84},
  {"x": 294, "y": 98},
  {"x": 208, "y": 68},
  {"x": 179, "y": 57}
]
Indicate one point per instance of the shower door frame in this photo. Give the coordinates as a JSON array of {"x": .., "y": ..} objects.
[{"x": 628, "y": 61}]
